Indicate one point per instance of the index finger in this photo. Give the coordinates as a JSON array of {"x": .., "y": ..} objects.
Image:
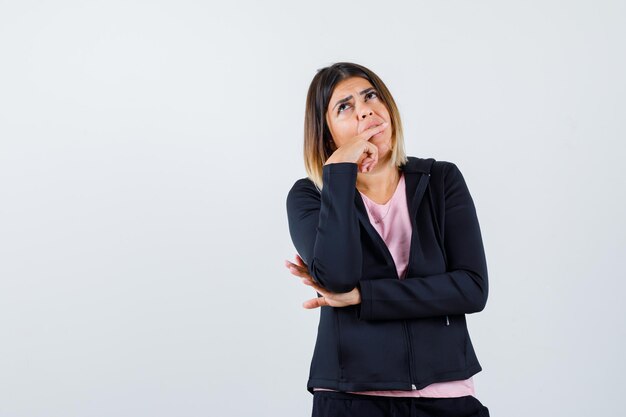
[{"x": 368, "y": 133}]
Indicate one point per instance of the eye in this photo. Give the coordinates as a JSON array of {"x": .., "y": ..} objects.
[
  {"x": 341, "y": 107},
  {"x": 371, "y": 94}
]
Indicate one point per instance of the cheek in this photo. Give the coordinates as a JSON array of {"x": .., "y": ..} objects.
[
  {"x": 343, "y": 132},
  {"x": 382, "y": 111}
]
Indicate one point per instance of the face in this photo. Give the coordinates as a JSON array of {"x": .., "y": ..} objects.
[{"x": 354, "y": 107}]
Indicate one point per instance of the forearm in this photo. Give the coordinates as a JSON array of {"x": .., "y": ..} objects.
[
  {"x": 326, "y": 232},
  {"x": 456, "y": 292},
  {"x": 461, "y": 289}
]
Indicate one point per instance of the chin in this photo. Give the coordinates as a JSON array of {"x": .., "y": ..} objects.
[
  {"x": 384, "y": 151},
  {"x": 383, "y": 144}
]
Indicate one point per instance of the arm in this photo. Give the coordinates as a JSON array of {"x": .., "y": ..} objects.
[
  {"x": 463, "y": 289},
  {"x": 325, "y": 230}
]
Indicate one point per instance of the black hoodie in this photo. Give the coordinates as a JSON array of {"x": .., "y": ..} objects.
[{"x": 406, "y": 333}]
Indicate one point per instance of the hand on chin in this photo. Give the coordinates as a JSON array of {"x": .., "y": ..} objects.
[{"x": 384, "y": 153}]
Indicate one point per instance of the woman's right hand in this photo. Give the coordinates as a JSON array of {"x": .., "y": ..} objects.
[
  {"x": 327, "y": 298},
  {"x": 359, "y": 150}
]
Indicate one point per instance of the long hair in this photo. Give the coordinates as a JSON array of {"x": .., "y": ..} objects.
[{"x": 318, "y": 141}]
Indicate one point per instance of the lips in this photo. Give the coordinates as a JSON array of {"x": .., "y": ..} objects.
[{"x": 372, "y": 124}]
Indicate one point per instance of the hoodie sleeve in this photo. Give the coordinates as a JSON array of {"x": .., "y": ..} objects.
[
  {"x": 463, "y": 289},
  {"x": 325, "y": 228}
]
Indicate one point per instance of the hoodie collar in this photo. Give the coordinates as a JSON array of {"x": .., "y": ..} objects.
[
  {"x": 417, "y": 165},
  {"x": 416, "y": 177}
]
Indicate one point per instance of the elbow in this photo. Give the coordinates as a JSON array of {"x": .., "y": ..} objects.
[
  {"x": 337, "y": 284},
  {"x": 480, "y": 304},
  {"x": 335, "y": 280},
  {"x": 341, "y": 287},
  {"x": 480, "y": 300}
]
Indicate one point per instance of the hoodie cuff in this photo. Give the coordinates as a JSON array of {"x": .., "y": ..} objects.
[
  {"x": 339, "y": 167},
  {"x": 364, "y": 312}
]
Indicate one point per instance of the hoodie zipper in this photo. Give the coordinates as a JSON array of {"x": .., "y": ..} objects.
[
  {"x": 410, "y": 351},
  {"x": 407, "y": 335},
  {"x": 425, "y": 177},
  {"x": 404, "y": 324},
  {"x": 447, "y": 321}
]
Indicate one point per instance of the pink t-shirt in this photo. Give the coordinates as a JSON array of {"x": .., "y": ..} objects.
[{"x": 391, "y": 221}]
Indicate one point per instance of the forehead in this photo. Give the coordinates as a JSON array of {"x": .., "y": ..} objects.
[{"x": 349, "y": 86}]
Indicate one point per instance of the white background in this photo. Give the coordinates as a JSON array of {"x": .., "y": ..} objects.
[{"x": 147, "y": 147}]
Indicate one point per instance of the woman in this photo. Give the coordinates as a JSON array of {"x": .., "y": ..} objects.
[{"x": 393, "y": 247}]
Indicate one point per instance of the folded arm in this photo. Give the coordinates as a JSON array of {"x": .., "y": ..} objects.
[
  {"x": 463, "y": 289},
  {"x": 325, "y": 229}
]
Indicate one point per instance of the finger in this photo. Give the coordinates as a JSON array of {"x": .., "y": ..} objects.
[
  {"x": 315, "y": 303},
  {"x": 375, "y": 129},
  {"x": 292, "y": 266},
  {"x": 299, "y": 264},
  {"x": 368, "y": 159},
  {"x": 367, "y": 164},
  {"x": 368, "y": 133},
  {"x": 373, "y": 152},
  {"x": 371, "y": 159},
  {"x": 315, "y": 286},
  {"x": 310, "y": 304},
  {"x": 299, "y": 260},
  {"x": 298, "y": 273}
]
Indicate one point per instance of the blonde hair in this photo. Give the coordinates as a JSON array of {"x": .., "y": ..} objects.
[{"x": 318, "y": 141}]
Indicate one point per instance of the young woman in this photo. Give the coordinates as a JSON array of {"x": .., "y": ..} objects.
[{"x": 393, "y": 248}]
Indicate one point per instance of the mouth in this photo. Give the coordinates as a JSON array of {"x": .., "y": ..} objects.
[{"x": 369, "y": 126}]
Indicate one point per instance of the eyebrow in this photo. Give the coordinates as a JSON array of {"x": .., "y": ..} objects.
[{"x": 343, "y": 100}]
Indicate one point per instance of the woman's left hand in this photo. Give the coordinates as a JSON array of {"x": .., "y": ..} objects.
[{"x": 328, "y": 298}]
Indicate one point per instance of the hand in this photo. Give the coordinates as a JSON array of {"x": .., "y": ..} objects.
[
  {"x": 359, "y": 150},
  {"x": 328, "y": 298}
]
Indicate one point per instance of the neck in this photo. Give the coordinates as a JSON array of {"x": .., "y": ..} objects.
[{"x": 383, "y": 178}]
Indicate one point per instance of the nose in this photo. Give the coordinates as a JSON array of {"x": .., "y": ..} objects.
[{"x": 366, "y": 113}]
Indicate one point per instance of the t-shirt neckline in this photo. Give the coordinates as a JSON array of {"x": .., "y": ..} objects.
[{"x": 393, "y": 196}]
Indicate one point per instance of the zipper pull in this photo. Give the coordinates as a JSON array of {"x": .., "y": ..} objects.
[
  {"x": 447, "y": 321},
  {"x": 413, "y": 386}
]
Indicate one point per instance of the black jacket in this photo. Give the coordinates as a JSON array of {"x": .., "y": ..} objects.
[{"x": 406, "y": 333}]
